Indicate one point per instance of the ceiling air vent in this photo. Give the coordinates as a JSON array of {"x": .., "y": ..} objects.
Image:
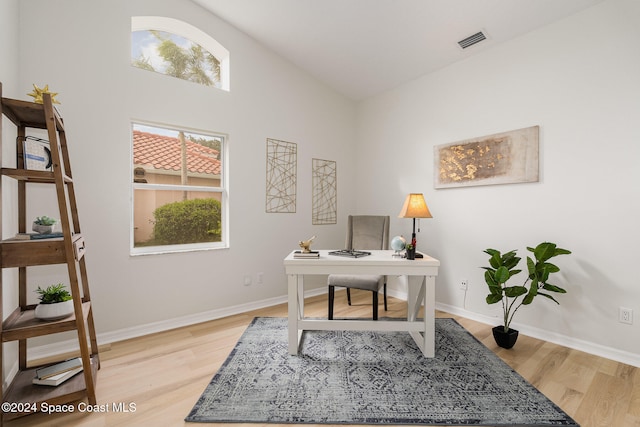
[{"x": 471, "y": 40}]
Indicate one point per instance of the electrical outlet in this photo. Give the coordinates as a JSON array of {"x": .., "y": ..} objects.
[
  {"x": 464, "y": 285},
  {"x": 625, "y": 315},
  {"x": 260, "y": 278},
  {"x": 247, "y": 280}
]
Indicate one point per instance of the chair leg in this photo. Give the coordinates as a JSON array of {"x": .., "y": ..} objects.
[
  {"x": 385, "y": 296},
  {"x": 332, "y": 293},
  {"x": 349, "y": 296},
  {"x": 375, "y": 305}
]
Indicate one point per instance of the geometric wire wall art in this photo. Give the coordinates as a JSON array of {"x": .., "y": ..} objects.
[
  {"x": 324, "y": 183},
  {"x": 281, "y": 176}
]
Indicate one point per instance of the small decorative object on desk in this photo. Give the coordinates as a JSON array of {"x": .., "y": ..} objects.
[
  {"x": 306, "y": 244},
  {"x": 398, "y": 244},
  {"x": 352, "y": 253},
  {"x": 44, "y": 224},
  {"x": 411, "y": 251},
  {"x": 306, "y": 255}
]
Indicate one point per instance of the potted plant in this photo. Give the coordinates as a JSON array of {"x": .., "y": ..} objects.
[
  {"x": 503, "y": 267},
  {"x": 43, "y": 224},
  {"x": 411, "y": 251},
  {"x": 55, "y": 303}
]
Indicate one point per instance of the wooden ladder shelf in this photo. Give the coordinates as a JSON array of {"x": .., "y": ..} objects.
[{"x": 69, "y": 249}]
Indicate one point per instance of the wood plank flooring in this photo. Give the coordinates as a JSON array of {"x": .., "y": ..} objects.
[{"x": 158, "y": 378}]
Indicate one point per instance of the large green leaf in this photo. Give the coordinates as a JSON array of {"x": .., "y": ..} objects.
[
  {"x": 491, "y": 252},
  {"x": 533, "y": 291},
  {"x": 495, "y": 260},
  {"x": 531, "y": 267},
  {"x": 494, "y": 298},
  {"x": 502, "y": 274},
  {"x": 510, "y": 260},
  {"x": 544, "y": 251},
  {"x": 515, "y": 291},
  {"x": 560, "y": 251},
  {"x": 489, "y": 277},
  {"x": 553, "y": 288}
]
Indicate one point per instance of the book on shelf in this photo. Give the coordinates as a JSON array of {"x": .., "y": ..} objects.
[
  {"x": 37, "y": 236},
  {"x": 58, "y": 368},
  {"x": 311, "y": 254},
  {"x": 57, "y": 379}
]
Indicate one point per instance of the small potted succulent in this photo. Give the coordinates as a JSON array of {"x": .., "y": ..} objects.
[
  {"x": 55, "y": 303},
  {"x": 44, "y": 224},
  {"x": 411, "y": 251}
]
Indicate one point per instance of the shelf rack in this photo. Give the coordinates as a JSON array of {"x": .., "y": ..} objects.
[{"x": 22, "y": 324}]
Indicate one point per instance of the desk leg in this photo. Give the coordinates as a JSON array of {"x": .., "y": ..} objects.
[
  {"x": 295, "y": 311},
  {"x": 421, "y": 291},
  {"x": 429, "y": 316}
]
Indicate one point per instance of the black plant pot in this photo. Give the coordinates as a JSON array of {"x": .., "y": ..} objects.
[
  {"x": 411, "y": 253},
  {"x": 505, "y": 339}
]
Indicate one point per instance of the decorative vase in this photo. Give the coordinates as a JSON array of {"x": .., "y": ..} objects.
[
  {"x": 411, "y": 253},
  {"x": 56, "y": 311},
  {"x": 505, "y": 339},
  {"x": 42, "y": 229}
]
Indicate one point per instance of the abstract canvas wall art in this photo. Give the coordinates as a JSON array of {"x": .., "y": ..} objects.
[
  {"x": 501, "y": 158},
  {"x": 324, "y": 183},
  {"x": 282, "y": 166}
]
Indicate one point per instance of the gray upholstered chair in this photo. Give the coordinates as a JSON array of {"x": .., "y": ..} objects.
[{"x": 364, "y": 232}]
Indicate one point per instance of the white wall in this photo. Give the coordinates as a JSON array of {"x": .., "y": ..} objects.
[
  {"x": 578, "y": 80},
  {"x": 9, "y": 78},
  {"x": 81, "y": 49}
]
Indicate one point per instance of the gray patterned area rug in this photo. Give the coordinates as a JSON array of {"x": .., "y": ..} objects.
[{"x": 356, "y": 377}]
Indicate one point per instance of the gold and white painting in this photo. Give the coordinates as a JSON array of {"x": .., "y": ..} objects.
[{"x": 502, "y": 158}]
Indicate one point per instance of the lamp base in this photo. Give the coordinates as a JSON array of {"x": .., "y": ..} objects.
[{"x": 418, "y": 255}]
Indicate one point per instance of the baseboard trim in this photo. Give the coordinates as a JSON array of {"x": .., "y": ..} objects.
[
  {"x": 552, "y": 337},
  {"x": 165, "y": 325},
  {"x": 48, "y": 350}
]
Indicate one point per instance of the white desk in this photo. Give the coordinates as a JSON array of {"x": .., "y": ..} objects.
[{"x": 421, "y": 274}]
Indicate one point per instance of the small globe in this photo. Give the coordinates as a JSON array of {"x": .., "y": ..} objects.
[{"x": 398, "y": 243}]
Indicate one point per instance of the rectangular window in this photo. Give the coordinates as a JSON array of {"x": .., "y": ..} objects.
[{"x": 179, "y": 190}]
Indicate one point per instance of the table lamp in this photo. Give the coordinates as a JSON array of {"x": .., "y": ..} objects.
[{"x": 415, "y": 207}]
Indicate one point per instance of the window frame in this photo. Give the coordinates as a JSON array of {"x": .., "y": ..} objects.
[
  {"x": 188, "y": 31},
  {"x": 223, "y": 190}
]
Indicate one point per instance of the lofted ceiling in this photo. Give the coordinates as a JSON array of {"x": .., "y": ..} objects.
[{"x": 365, "y": 47}]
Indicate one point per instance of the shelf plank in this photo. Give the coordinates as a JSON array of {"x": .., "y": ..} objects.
[
  {"x": 24, "y": 113},
  {"x": 24, "y": 391},
  {"x": 22, "y": 324},
  {"x": 35, "y": 176},
  {"x": 23, "y": 253}
]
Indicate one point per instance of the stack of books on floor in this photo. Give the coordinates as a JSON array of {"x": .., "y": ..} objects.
[
  {"x": 311, "y": 254},
  {"x": 58, "y": 373}
]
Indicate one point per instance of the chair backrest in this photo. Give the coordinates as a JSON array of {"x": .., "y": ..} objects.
[{"x": 367, "y": 232}]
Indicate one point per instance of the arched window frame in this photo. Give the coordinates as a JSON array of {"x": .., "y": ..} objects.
[{"x": 188, "y": 31}]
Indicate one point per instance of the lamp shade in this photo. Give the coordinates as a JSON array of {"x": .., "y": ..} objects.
[{"x": 415, "y": 207}]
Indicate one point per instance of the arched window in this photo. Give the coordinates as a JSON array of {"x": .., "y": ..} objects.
[{"x": 175, "y": 48}]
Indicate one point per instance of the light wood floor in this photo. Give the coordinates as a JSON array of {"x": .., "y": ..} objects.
[{"x": 164, "y": 374}]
